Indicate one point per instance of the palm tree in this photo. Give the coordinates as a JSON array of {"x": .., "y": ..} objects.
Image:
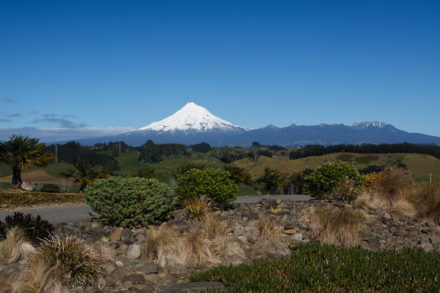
[
  {"x": 22, "y": 152},
  {"x": 86, "y": 173}
]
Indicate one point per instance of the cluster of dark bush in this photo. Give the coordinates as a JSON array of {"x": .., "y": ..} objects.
[
  {"x": 319, "y": 150},
  {"x": 153, "y": 153},
  {"x": 35, "y": 229}
]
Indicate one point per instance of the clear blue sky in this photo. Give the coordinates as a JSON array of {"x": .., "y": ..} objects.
[{"x": 253, "y": 63}]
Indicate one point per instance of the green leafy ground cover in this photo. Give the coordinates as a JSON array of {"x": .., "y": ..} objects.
[{"x": 323, "y": 268}]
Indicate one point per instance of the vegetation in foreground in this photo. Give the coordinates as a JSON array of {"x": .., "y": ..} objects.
[{"x": 323, "y": 268}]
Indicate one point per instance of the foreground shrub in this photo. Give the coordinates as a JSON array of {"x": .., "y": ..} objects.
[
  {"x": 325, "y": 178},
  {"x": 345, "y": 190},
  {"x": 197, "y": 208},
  {"x": 63, "y": 262},
  {"x": 131, "y": 202},
  {"x": 324, "y": 268},
  {"x": 15, "y": 247},
  {"x": 393, "y": 184},
  {"x": 34, "y": 228},
  {"x": 212, "y": 183},
  {"x": 337, "y": 226},
  {"x": 426, "y": 199}
]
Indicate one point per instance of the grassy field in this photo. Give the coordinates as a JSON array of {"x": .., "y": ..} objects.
[{"x": 419, "y": 165}]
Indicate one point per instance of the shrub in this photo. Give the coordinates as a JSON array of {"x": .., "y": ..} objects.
[
  {"x": 337, "y": 226},
  {"x": 34, "y": 228},
  {"x": 344, "y": 190},
  {"x": 197, "y": 208},
  {"x": 50, "y": 188},
  {"x": 426, "y": 199},
  {"x": 324, "y": 268},
  {"x": 186, "y": 167},
  {"x": 64, "y": 262},
  {"x": 146, "y": 173},
  {"x": 201, "y": 147},
  {"x": 212, "y": 183},
  {"x": 393, "y": 184},
  {"x": 325, "y": 178},
  {"x": 131, "y": 202}
]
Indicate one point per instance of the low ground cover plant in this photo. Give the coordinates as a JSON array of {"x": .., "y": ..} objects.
[
  {"x": 131, "y": 202},
  {"x": 34, "y": 228},
  {"x": 321, "y": 181},
  {"x": 212, "y": 183},
  {"x": 324, "y": 268}
]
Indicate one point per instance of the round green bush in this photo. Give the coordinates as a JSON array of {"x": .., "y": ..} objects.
[
  {"x": 131, "y": 202},
  {"x": 50, "y": 188},
  {"x": 212, "y": 183},
  {"x": 326, "y": 177}
]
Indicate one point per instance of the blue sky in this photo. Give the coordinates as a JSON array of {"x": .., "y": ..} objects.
[{"x": 253, "y": 63}]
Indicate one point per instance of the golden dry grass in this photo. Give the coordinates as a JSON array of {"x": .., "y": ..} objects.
[
  {"x": 215, "y": 226},
  {"x": 15, "y": 247},
  {"x": 13, "y": 198},
  {"x": 338, "y": 226},
  {"x": 198, "y": 208},
  {"x": 426, "y": 199},
  {"x": 393, "y": 185}
]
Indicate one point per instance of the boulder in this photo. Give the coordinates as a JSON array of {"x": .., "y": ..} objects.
[
  {"x": 28, "y": 186},
  {"x": 133, "y": 251}
]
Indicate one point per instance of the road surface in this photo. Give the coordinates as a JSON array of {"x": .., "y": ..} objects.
[{"x": 81, "y": 212}]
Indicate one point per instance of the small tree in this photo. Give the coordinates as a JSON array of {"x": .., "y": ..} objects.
[
  {"x": 21, "y": 153},
  {"x": 86, "y": 173},
  {"x": 255, "y": 149},
  {"x": 273, "y": 180}
]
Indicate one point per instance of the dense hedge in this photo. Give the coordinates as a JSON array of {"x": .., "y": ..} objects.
[
  {"x": 324, "y": 268},
  {"x": 212, "y": 183},
  {"x": 325, "y": 178},
  {"x": 131, "y": 202}
]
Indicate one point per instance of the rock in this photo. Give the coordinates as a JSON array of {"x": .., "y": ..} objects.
[
  {"x": 119, "y": 263},
  {"x": 125, "y": 235},
  {"x": 146, "y": 268},
  {"x": 28, "y": 186},
  {"x": 435, "y": 240},
  {"x": 109, "y": 268},
  {"x": 196, "y": 287},
  {"x": 290, "y": 231},
  {"x": 116, "y": 234},
  {"x": 134, "y": 279},
  {"x": 234, "y": 261},
  {"x": 133, "y": 251},
  {"x": 297, "y": 237},
  {"x": 117, "y": 275},
  {"x": 127, "y": 284},
  {"x": 387, "y": 216},
  {"x": 426, "y": 247}
]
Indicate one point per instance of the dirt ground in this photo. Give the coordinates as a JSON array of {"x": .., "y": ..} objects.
[{"x": 37, "y": 176}]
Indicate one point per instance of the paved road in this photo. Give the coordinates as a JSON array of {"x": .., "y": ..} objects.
[{"x": 81, "y": 212}]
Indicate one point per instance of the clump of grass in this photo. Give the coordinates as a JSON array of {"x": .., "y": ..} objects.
[
  {"x": 337, "y": 226},
  {"x": 197, "y": 247},
  {"x": 393, "y": 184},
  {"x": 426, "y": 199},
  {"x": 15, "y": 247},
  {"x": 214, "y": 226},
  {"x": 158, "y": 244},
  {"x": 62, "y": 263},
  {"x": 345, "y": 190},
  {"x": 198, "y": 208},
  {"x": 267, "y": 228}
]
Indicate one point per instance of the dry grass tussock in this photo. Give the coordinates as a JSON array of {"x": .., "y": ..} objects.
[
  {"x": 339, "y": 226},
  {"x": 207, "y": 243},
  {"x": 59, "y": 264},
  {"x": 426, "y": 199},
  {"x": 393, "y": 185},
  {"x": 345, "y": 190},
  {"x": 198, "y": 208},
  {"x": 268, "y": 228},
  {"x": 15, "y": 247}
]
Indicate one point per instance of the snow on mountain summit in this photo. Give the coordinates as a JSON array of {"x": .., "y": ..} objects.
[{"x": 192, "y": 117}]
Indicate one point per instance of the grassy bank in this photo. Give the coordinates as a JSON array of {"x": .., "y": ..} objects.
[{"x": 13, "y": 198}]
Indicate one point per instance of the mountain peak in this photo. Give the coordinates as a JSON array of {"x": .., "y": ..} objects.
[
  {"x": 366, "y": 124},
  {"x": 192, "y": 117}
]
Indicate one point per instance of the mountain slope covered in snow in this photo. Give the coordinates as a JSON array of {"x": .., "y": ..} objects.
[{"x": 192, "y": 117}]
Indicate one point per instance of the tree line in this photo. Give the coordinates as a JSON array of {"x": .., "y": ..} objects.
[{"x": 319, "y": 150}]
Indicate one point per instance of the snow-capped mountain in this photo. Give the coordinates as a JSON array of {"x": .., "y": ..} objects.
[{"x": 192, "y": 118}]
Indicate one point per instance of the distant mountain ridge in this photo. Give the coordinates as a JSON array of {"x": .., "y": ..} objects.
[{"x": 193, "y": 124}]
